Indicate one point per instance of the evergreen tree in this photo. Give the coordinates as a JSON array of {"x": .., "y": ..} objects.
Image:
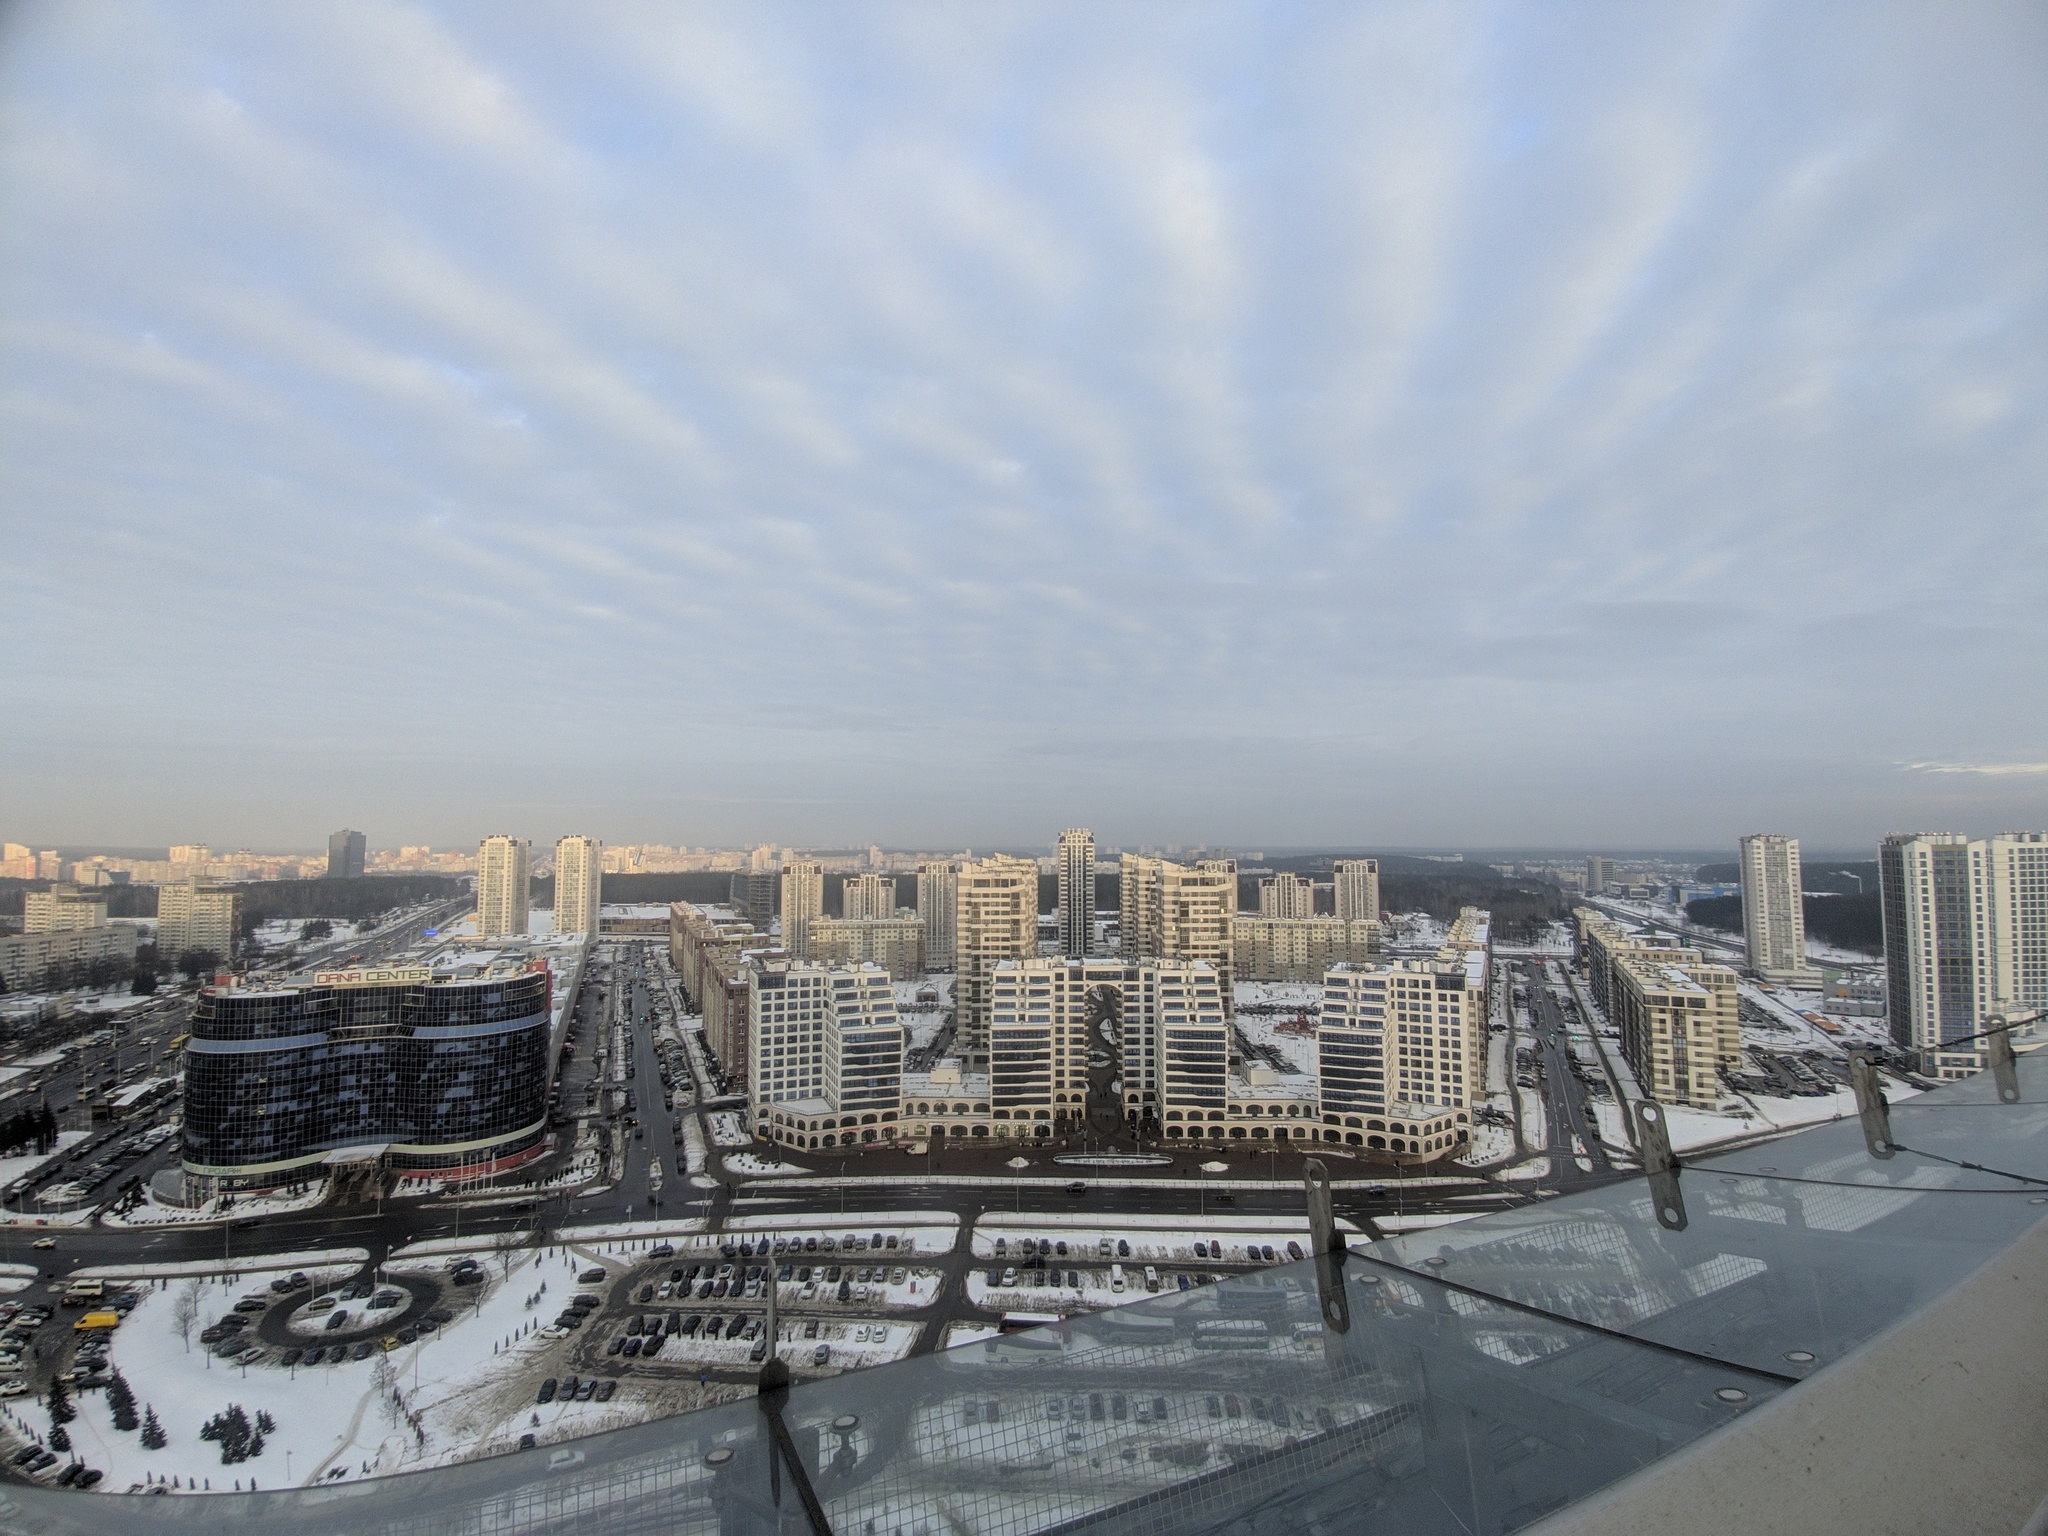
[
  {"x": 265, "y": 1424},
  {"x": 60, "y": 1438},
  {"x": 153, "y": 1437},
  {"x": 59, "y": 1404},
  {"x": 121, "y": 1401}
]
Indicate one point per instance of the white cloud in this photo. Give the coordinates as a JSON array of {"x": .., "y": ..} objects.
[{"x": 1209, "y": 421}]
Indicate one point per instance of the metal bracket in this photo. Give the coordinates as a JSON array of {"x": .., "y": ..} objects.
[
  {"x": 1322, "y": 1215},
  {"x": 1326, "y": 1246},
  {"x": 1870, "y": 1106},
  {"x": 1998, "y": 1042},
  {"x": 1660, "y": 1164}
]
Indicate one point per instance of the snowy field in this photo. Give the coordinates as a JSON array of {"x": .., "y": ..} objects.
[
  {"x": 728, "y": 1130},
  {"x": 1296, "y": 1049},
  {"x": 754, "y": 1167}
]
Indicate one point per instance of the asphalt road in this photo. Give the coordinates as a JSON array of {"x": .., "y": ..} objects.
[{"x": 1568, "y": 1112}]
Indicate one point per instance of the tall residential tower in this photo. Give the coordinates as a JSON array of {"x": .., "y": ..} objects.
[
  {"x": 579, "y": 884},
  {"x": 1077, "y": 892},
  {"x": 1772, "y": 920},
  {"x": 504, "y": 876}
]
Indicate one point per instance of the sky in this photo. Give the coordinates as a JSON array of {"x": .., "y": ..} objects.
[{"x": 937, "y": 425}]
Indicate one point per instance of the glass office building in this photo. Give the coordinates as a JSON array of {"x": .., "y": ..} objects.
[{"x": 425, "y": 1072}]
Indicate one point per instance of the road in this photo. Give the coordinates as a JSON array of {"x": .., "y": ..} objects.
[{"x": 1574, "y": 1130}]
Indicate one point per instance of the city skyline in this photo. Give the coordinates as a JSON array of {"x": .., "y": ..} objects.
[{"x": 1374, "y": 428}]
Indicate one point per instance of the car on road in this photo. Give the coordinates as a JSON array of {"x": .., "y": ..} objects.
[{"x": 44, "y": 1243}]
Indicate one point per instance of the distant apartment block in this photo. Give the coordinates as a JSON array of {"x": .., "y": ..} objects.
[
  {"x": 1599, "y": 873},
  {"x": 346, "y": 851},
  {"x": 579, "y": 884},
  {"x": 196, "y": 915},
  {"x": 62, "y": 908},
  {"x": 895, "y": 944},
  {"x": 504, "y": 882},
  {"x": 864, "y": 896},
  {"x": 1300, "y": 949},
  {"x": 1287, "y": 896},
  {"x": 937, "y": 897},
  {"x": 803, "y": 903},
  {"x": 713, "y": 950},
  {"x": 1773, "y": 921},
  {"x": 17, "y": 862},
  {"x": 1358, "y": 889},
  {"x": 1076, "y": 871},
  {"x": 59, "y": 958}
]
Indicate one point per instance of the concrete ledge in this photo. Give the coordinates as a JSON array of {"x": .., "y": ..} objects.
[{"x": 1934, "y": 1426}]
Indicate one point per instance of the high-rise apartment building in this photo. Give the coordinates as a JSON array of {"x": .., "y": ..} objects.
[
  {"x": 1965, "y": 939},
  {"x": 937, "y": 896},
  {"x": 1176, "y": 1044},
  {"x": 1773, "y": 921},
  {"x": 1177, "y": 912},
  {"x": 1287, "y": 896},
  {"x": 1076, "y": 861},
  {"x": 825, "y": 1062},
  {"x": 196, "y": 915},
  {"x": 867, "y": 896},
  {"x": 17, "y": 862},
  {"x": 753, "y": 894},
  {"x": 1358, "y": 890},
  {"x": 346, "y": 851},
  {"x": 1675, "y": 1012},
  {"x": 190, "y": 853},
  {"x": 1599, "y": 873},
  {"x": 504, "y": 880},
  {"x": 995, "y": 919},
  {"x": 1299, "y": 948},
  {"x": 803, "y": 901},
  {"x": 579, "y": 884},
  {"x": 62, "y": 909},
  {"x": 2017, "y": 870}
]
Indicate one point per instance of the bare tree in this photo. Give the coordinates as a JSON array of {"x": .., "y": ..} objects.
[
  {"x": 185, "y": 1311},
  {"x": 506, "y": 1245},
  {"x": 384, "y": 1382}
]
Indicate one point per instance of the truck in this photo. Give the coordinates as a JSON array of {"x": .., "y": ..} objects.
[{"x": 93, "y": 1322}]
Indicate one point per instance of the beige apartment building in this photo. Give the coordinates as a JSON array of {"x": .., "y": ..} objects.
[
  {"x": 1676, "y": 1012},
  {"x": 1075, "y": 863},
  {"x": 895, "y": 944},
  {"x": 1358, "y": 889},
  {"x": 1287, "y": 896},
  {"x": 62, "y": 908},
  {"x": 1179, "y": 912},
  {"x": 803, "y": 903},
  {"x": 504, "y": 882},
  {"x": 1773, "y": 919},
  {"x": 579, "y": 884},
  {"x": 865, "y": 896},
  {"x": 825, "y": 1059},
  {"x": 195, "y": 914},
  {"x": 1300, "y": 948},
  {"x": 995, "y": 919}
]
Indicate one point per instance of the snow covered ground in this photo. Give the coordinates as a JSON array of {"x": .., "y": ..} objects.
[
  {"x": 1297, "y": 1049},
  {"x": 239, "y": 1208},
  {"x": 727, "y": 1129},
  {"x": 753, "y": 1166},
  {"x": 12, "y": 1168}
]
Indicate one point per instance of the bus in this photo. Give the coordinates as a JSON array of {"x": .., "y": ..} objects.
[{"x": 1232, "y": 1333}]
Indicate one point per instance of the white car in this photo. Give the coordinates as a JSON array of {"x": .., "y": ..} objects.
[
  {"x": 552, "y": 1333},
  {"x": 15, "y": 1388}
]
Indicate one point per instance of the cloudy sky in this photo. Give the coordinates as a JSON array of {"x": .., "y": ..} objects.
[{"x": 940, "y": 424}]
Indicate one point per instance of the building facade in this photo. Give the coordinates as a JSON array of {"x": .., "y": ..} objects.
[
  {"x": 62, "y": 908},
  {"x": 63, "y": 958},
  {"x": 1287, "y": 896},
  {"x": 346, "y": 852},
  {"x": 803, "y": 903},
  {"x": 1076, "y": 864},
  {"x": 579, "y": 884},
  {"x": 1965, "y": 940},
  {"x": 504, "y": 884},
  {"x": 938, "y": 894},
  {"x": 1300, "y": 949},
  {"x": 1676, "y": 1012},
  {"x": 865, "y": 896},
  {"x": 194, "y": 915},
  {"x": 896, "y": 944},
  {"x": 415, "y": 1071},
  {"x": 1180, "y": 912},
  {"x": 1599, "y": 873},
  {"x": 995, "y": 919},
  {"x": 1358, "y": 890},
  {"x": 1773, "y": 919},
  {"x": 825, "y": 1063}
]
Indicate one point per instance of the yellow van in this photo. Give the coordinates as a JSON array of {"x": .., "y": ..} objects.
[{"x": 92, "y": 1322}]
